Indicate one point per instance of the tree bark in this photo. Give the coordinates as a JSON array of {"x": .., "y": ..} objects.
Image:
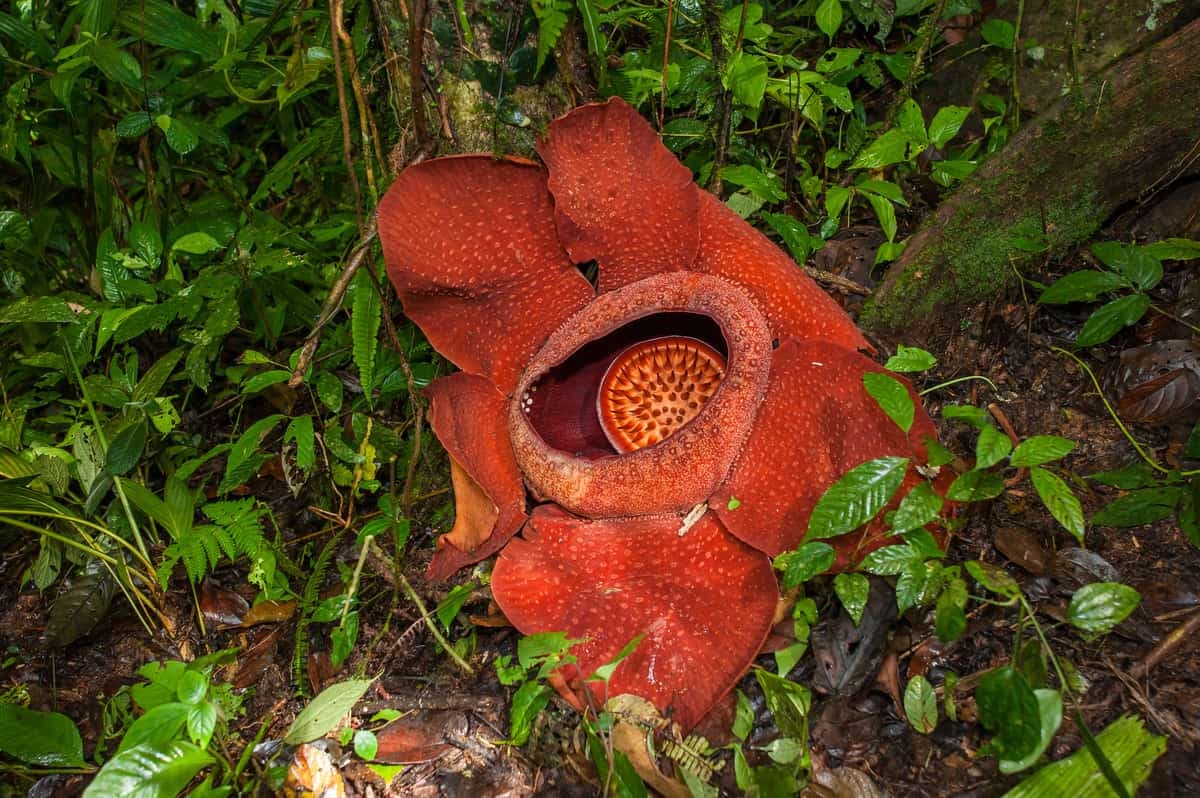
[{"x": 1128, "y": 131}]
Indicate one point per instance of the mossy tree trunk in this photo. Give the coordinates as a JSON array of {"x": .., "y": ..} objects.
[{"x": 1127, "y": 131}]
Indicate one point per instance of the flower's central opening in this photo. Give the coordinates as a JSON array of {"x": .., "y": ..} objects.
[
  {"x": 655, "y": 387},
  {"x": 631, "y": 387}
]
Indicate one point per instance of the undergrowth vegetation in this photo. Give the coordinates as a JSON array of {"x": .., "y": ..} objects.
[{"x": 204, "y": 369}]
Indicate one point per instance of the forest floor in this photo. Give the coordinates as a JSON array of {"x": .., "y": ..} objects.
[{"x": 447, "y": 739}]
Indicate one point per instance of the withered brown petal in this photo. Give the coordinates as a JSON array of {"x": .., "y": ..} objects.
[
  {"x": 704, "y": 601},
  {"x": 468, "y": 416},
  {"x": 816, "y": 422},
  {"x": 472, "y": 250},
  {"x": 621, "y": 198}
]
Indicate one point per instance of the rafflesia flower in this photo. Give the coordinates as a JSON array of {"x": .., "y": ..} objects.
[{"x": 671, "y": 423}]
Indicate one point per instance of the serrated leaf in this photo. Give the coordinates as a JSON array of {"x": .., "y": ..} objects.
[
  {"x": 324, "y": 712},
  {"x": 788, "y": 702},
  {"x": 1062, "y": 503},
  {"x": 889, "y": 560},
  {"x": 892, "y": 396},
  {"x": 1098, "y": 607},
  {"x": 1111, "y": 318},
  {"x": 1040, "y": 449},
  {"x": 43, "y": 739},
  {"x": 149, "y": 771},
  {"x": 856, "y": 498}
]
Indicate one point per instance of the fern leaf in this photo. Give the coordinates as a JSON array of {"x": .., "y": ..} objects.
[
  {"x": 552, "y": 19},
  {"x": 365, "y": 316}
]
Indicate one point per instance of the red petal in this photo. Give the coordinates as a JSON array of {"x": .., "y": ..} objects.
[
  {"x": 704, "y": 601},
  {"x": 816, "y": 423},
  {"x": 471, "y": 247},
  {"x": 469, "y": 417},
  {"x": 794, "y": 305},
  {"x": 621, "y": 198}
]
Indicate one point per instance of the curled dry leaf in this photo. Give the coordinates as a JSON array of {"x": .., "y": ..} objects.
[{"x": 313, "y": 774}]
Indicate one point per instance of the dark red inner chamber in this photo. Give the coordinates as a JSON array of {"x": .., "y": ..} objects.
[{"x": 561, "y": 404}]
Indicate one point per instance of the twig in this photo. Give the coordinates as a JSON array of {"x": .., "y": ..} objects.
[
  {"x": 383, "y": 567},
  {"x": 1007, "y": 426},
  {"x": 837, "y": 281},
  {"x": 723, "y": 107},
  {"x": 662, "y": 100},
  {"x": 1185, "y": 631},
  {"x": 416, "y": 45},
  {"x": 332, "y": 303},
  {"x": 366, "y": 118},
  {"x": 335, "y": 13}
]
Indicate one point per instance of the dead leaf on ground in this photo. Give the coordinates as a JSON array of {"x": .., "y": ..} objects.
[
  {"x": 419, "y": 736},
  {"x": 220, "y": 607},
  {"x": 1023, "y": 548},
  {"x": 313, "y": 774}
]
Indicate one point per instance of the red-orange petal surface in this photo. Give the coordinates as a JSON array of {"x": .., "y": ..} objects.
[
  {"x": 622, "y": 199},
  {"x": 704, "y": 600},
  {"x": 816, "y": 423},
  {"x": 795, "y": 306},
  {"x": 472, "y": 249},
  {"x": 468, "y": 415}
]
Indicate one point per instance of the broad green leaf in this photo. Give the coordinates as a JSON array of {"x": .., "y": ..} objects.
[
  {"x": 794, "y": 234},
  {"x": 529, "y": 700},
  {"x": 160, "y": 23},
  {"x": 946, "y": 124},
  {"x": 1139, "y": 507},
  {"x": 1138, "y": 474},
  {"x": 746, "y": 77},
  {"x": 125, "y": 449},
  {"x": 1132, "y": 262},
  {"x": 1081, "y": 286},
  {"x": 804, "y": 563},
  {"x": 365, "y": 317},
  {"x": 892, "y": 396},
  {"x": 181, "y": 137},
  {"x": 605, "y": 671},
  {"x": 766, "y": 186},
  {"x": 366, "y": 744},
  {"x": 999, "y": 33},
  {"x": 42, "y": 739},
  {"x": 885, "y": 212},
  {"x": 149, "y": 771},
  {"x": 265, "y": 380},
  {"x": 912, "y": 121},
  {"x": 158, "y": 727},
  {"x": 856, "y": 498},
  {"x": 917, "y": 509},
  {"x": 1008, "y": 708},
  {"x": 1098, "y": 607},
  {"x": 920, "y": 704},
  {"x": 852, "y": 590},
  {"x": 44, "y": 309},
  {"x": 1040, "y": 449},
  {"x": 890, "y": 148},
  {"x": 889, "y": 560},
  {"x": 950, "y": 621},
  {"x": 1129, "y": 748},
  {"x": 909, "y": 359},
  {"x": 116, "y": 63},
  {"x": 829, "y": 17},
  {"x": 196, "y": 243},
  {"x": 993, "y": 578},
  {"x": 975, "y": 416},
  {"x": 156, "y": 376},
  {"x": 975, "y": 486},
  {"x": 1173, "y": 249},
  {"x": 835, "y": 200},
  {"x": 300, "y": 431},
  {"x": 1050, "y": 712},
  {"x": 992, "y": 447},
  {"x": 324, "y": 712},
  {"x": 135, "y": 124},
  {"x": 1062, "y": 503},
  {"x": 202, "y": 722},
  {"x": 1110, "y": 319},
  {"x": 788, "y": 701}
]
